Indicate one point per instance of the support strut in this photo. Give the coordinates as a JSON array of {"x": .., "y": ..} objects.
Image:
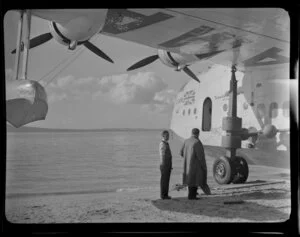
[
  {"x": 234, "y": 122},
  {"x": 231, "y": 168},
  {"x": 23, "y": 44},
  {"x": 18, "y": 48}
]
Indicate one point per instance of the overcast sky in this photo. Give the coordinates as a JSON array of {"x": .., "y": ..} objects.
[{"x": 93, "y": 93}]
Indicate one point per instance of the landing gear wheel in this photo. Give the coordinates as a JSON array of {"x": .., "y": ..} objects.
[
  {"x": 242, "y": 170},
  {"x": 223, "y": 171}
]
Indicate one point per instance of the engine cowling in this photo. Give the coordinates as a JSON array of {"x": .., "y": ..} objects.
[
  {"x": 177, "y": 61},
  {"x": 77, "y": 30}
]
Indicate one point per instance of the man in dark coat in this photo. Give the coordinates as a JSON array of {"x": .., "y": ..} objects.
[
  {"x": 165, "y": 165},
  {"x": 195, "y": 169}
]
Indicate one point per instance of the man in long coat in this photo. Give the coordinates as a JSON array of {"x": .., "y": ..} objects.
[{"x": 195, "y": 169}]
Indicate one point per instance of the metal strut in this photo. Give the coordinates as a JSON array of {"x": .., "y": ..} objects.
[
  {"x": 232, "y": 124},
  {"x": 231, "y": 168},
  {"x": 23, "y": 44},
  {"x": 231, "y": 152}
]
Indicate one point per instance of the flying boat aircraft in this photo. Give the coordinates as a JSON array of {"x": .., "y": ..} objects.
[{"x": 241, "y": 103}]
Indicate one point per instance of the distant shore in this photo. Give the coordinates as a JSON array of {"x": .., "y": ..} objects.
[{"x": 36, "y": 129}]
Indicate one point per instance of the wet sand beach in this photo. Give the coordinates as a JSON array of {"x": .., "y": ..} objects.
[{"x": 264, "y": 198}]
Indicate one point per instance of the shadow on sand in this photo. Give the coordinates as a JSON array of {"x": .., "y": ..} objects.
[{"x": 213, "y": 206}]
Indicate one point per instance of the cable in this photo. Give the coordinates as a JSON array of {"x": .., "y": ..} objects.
[
  {"x": 52, "y": 70},
  {"x": 78, "y": 52},
  {"x": 72, "y": 60}
]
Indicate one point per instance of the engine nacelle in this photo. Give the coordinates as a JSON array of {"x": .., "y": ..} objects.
[
  {"x": 177, "y": 61},
  {"x": 78, "y": 30}
]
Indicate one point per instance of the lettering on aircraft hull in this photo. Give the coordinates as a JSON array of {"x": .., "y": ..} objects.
[
  {"x": 188, "y": 98},
  {"x": 122, "y": 20}
]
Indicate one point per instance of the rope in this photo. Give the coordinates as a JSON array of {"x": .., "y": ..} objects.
[
  {"x": 77, "y": 53},
  {"x": 72, "y": 60},
  {"x": 52, "y": 70}
]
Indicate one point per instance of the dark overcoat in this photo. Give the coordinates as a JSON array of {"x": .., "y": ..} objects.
[{"x": 194, "y": 168}]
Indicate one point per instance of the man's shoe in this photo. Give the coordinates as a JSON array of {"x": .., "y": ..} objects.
[
  {"x": 193, "y": 198},
  {"x": 166, "y": 197}
]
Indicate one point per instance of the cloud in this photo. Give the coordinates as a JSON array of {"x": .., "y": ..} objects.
[
  {"x": 143, "y": 88},
  {"x": 163, "y": 102},
  {"x": 53, "y": 97},
  {"x": 62, "y": 82},
  {"x": 139, "y": 88},
  {"x": 69, "y": 87},
  {"x": 166, "y": 96}
]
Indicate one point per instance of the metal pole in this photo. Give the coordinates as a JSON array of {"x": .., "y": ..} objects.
[
  {"x": 18, "y": 48},
  {"x": 26, "y": 44},
  {"x": 232, "y": 112},
  {"x": 233, "y": 94}
]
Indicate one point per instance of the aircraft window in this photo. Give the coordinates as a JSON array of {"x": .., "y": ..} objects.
[
  {"x": 261, "y": 110},
  {"x": 189, "y": 111},
  {"x": 183, "y": 112},
  {"x": 225, "y": 107},
  {"x": 195, "y": 110},
  {"x": 273, "y": 112},
  {"x": 286, "y": 109},
  {"x": 206, "y": 115}
]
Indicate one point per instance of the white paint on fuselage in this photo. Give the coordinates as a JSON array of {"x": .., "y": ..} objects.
[{"x": 264, "y": 85}]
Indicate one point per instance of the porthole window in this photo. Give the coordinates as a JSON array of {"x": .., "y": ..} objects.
[
  {"x": 189, "y": 111},
  {"x": 261, "y": 110},
  {"x": 273, "y": 112},
  {"x": 195, "y": 111},
  {"x": 286, "y": 109}
]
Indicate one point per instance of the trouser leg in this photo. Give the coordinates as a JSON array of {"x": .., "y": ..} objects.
[
  {"x": 164, "y": 181},
  {"x": 192, "y": 192}
]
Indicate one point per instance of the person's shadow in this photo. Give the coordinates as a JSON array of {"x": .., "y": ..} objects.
[{"x": 239, "y": 206}]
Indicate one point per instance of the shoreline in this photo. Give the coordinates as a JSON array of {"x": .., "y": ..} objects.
[{"x": 260, "y": 203}]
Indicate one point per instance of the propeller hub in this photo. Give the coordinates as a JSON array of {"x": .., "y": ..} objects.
[
  {"x": 65, "y": 36},
  {"x": 269, "y": 131},
  {"x": 73, "y": 45}
]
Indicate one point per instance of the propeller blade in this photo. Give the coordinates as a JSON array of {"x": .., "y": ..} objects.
[
  {"x": 38, "y": 40},
  {"x": 143, "y": 62},
  {"x": 97, "y": 51},
  {"x": 190, "y": 73}
]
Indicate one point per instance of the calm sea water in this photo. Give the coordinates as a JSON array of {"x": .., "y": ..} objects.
[{"x": 85, "y": 162}]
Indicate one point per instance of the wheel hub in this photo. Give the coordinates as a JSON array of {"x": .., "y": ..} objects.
[{"x": 220, "y": 170}]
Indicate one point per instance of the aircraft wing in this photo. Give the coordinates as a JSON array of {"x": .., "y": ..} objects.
[
  {"x": 63, "y": 16},
  {"x": 244, "y": 37}
]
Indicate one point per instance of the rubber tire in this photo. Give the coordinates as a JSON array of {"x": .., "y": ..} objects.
[
  {"x": 242, "y": 170},
  {"x": 228, "y": 168}
]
